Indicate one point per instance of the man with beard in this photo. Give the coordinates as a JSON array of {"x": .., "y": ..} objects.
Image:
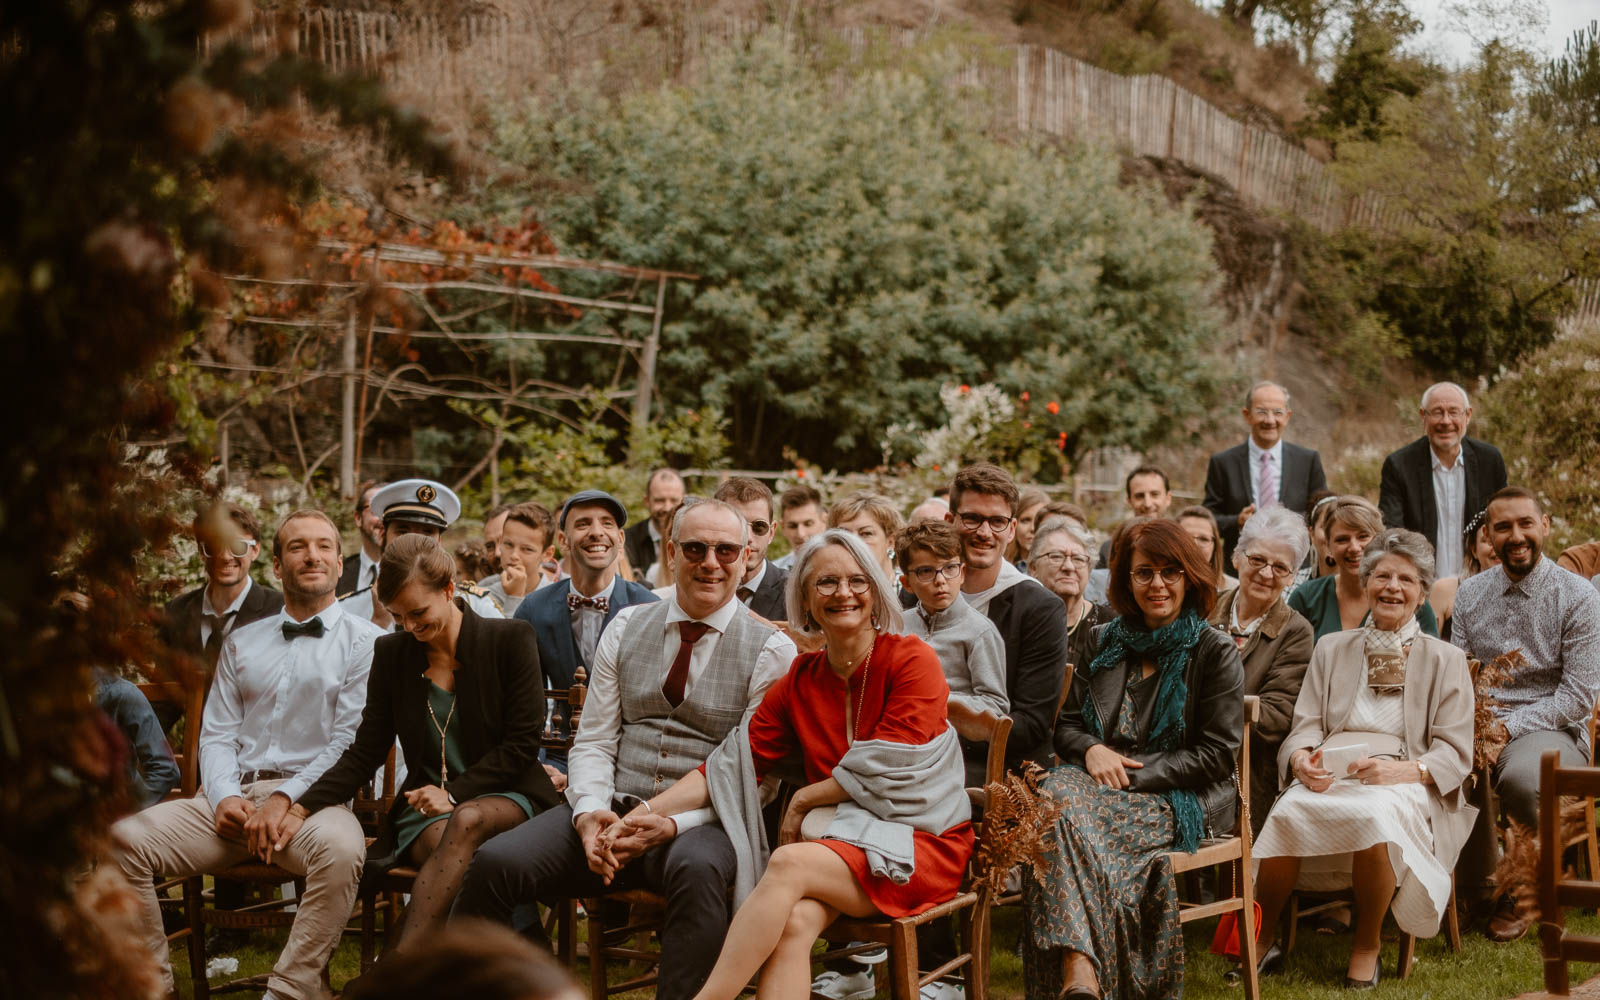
[
  {"x": 761, "y": 590},
  {"x": 569, "y": 616},
  {"x": 671, "y": 681},
  {"x": 288, "y": 693},
  {"x": 663, "y": 492},
  {"x": 361, "y": 566},
  {"x": 1552, "y": 616}
]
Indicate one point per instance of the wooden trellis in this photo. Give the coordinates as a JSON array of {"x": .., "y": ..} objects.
[{"x": 468, "y": 272}]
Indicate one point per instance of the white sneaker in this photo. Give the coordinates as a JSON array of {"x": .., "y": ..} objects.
[
  {"x": 838, "y": 986},
  {"x": 943, "y": 991},
  {"x": 871, "y": 957}
]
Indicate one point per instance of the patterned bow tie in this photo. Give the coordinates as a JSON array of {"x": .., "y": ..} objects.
[
  {"x": 313, "y": 628},
  {"x": 601, "y": 604}
]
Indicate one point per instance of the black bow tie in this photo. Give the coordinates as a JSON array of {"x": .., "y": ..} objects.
[{"x": 313, "y": 628}]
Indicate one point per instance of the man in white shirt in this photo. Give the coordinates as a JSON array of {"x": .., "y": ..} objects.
[
  {"x": 671, "y": 681},
  {"x": 287, "y": 696},
  {"x": 1265, "y": 470}
]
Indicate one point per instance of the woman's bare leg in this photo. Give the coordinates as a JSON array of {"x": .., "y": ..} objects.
[
  {"x": 787, "y": 974},
  {"x": 1373, "y": 879},
  {"x": 795, "y": 872}
]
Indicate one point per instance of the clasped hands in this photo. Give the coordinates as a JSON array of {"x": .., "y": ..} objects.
[
  {"x": 611, "y": 841},
  {"x": 262, "y": 829},
  {"x": 1371, "y": 770}
]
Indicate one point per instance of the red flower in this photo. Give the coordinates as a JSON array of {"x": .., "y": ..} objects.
[
  {"x": 966, "y": 389},
  {"x": 936, "y": 468},
  {"x": 1024, "y": 395},
  {"x": 1061, "y": 442},
  {"x": 799, "y": 473},
  {"x": 1026, "y": 424},
  {"x": 1053, "y": 406}
]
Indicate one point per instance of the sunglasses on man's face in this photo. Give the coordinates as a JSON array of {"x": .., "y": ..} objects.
[
  {"x": 237, "y": 547},
  {"x": 727, "y": 552}
]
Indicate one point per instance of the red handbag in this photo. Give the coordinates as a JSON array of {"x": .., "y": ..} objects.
[{"x": 1225, "y": 941}]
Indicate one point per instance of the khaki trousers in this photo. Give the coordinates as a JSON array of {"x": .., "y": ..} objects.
[{"x": 178, "y": 838}]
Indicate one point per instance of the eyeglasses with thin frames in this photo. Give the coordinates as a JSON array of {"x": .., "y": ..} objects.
[
  {"x": 925, "y": 574},
  {"x": 1170, "y": 575},
  {"x": 827, "y": 586},
  {"x": 1054, "y": 558},
  {"x": 1258, "y": 563}
]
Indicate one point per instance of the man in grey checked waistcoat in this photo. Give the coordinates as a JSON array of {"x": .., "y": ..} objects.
[{"x": 671, "y": 681}]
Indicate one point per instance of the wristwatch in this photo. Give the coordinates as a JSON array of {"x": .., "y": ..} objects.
[{"x": 1424, "y": 769}]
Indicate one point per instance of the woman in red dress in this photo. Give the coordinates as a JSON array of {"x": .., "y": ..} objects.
[{"x": 866, "y": 684}]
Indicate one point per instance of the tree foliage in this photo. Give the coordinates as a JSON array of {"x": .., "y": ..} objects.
[
  {"x": 861, "y": 242},
  {"x": 134, "y": 162}
]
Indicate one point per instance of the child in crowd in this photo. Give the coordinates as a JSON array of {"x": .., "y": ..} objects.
[{"x": 967, "y": 643}]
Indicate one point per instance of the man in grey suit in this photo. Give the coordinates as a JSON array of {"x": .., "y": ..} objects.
[
  {"x": 761, "y": 589},
  {"x": 1438, "y": 483},
  {"x": 671, "y": 681},
  {"x": 1264, "y": 470}
]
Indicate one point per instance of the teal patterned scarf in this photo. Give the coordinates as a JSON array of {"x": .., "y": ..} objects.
[{"x": 1170, "y": 646}]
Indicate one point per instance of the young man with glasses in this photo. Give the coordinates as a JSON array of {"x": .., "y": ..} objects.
[
  {"x": 1440, "y": 481},
  {"x": 671, "y": 681},
  {"x": 229, "y": 538},
  {"x": 1264, "y": 470},
  {"x": 761, "y": 589},
  {"x": 968, "y": 644}
]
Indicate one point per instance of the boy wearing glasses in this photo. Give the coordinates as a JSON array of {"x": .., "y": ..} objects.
[
  {"x": 761, "y": 589},
  {"x": 229, "y": 538},
  {"x": 968, "y": 644}
]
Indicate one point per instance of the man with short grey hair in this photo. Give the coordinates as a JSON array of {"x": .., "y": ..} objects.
[
  {"x": 1440, "y": 481},
  {"x": 671, "y": 681},
  {"x": 1264, "y": 470}
]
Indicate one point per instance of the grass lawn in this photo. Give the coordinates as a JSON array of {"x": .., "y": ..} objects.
[{"x": 1315, "y": 971}]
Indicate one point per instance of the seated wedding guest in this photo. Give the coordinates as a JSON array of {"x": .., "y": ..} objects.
[
  {"x": 465, "y": 697},
  {"x": 527, "y": 541},
  {"x": 1527, "y": 603},
  {"x": 1582, "y": 559},
  {"x": 1201, "y": 526},
  {"x": 1319, "y": 562},
  {"x": 1477, "y": 555},
  {"x": 875, "y": 520},
  {"x": 1388, "y": 817},
  {"x": 761, "y": 590},
  {"x": 1060, "y": 559},
  {"x": 1339, "y": 602},
  {"x": 931, "y": 509},
  {"x": 494, "y": 524},
  {"x": 472, "y": 557},
  {"x": 1149, "y": 494},
  {"x": 469, "y": 958},
  {"x": 284, "y": 706},
  {"x": 1029, "y": 502},
  {"x": 229, "y": 539},
  {"x": 1147, "y": 740},
  {"x": 152, "y": 772},
  {"x": 1061, "y": 508},
  {"x": 663, "y": 492},
  {"x": 801, "y": 516},
  {"x": 866, "y": 717},
  {"x": 1274, "y": 640},
  {"x": 415, "y": 507},
  {"x": 967, "y": 644},
  {"x": 671, "y": 681}
]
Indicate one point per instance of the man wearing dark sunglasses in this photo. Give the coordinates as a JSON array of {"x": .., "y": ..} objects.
[
  {"x": 671, "y": 681},
  {"x": 229, "y": 539},
  {"x": 761, "y": 589}
]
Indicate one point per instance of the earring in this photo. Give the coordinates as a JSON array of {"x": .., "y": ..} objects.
[
  {"x": 875, "y": 626},
  {"x": 811, "y": 623}
]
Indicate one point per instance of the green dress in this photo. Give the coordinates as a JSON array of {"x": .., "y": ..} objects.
[
  {"x": 1318, "y": 600},
  {"x": 409, "y": 824}
]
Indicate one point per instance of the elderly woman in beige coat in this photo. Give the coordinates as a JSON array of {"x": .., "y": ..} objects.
[{"x": 1374, "y": 766}]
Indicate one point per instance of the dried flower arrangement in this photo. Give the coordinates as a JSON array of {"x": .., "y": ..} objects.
[
  {"x": 1016, "y": 823},
  {"x": 1488, "y": 732}
]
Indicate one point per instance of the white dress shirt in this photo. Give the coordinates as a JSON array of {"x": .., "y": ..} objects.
[
  {"x": 232, "y": 609},
  {"x": 285, "y": 704},
  {"x": 592, "y": 764},
  {"x": 1275, "y": 454},
  {"x": 1450, "y": 499}
]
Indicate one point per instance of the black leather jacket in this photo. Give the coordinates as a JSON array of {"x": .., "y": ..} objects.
[{"x": 1213, "y": 719}]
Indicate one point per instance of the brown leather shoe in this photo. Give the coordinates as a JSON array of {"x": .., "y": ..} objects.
[{"x": 1509, "y": 921}]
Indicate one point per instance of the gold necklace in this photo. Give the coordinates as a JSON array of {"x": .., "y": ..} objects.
[
  {"x": 444, "y": 769},
  {"x": 852, "y": 726}
]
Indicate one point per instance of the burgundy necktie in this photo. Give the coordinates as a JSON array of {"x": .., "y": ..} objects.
[{"x": 689, "y": 633}]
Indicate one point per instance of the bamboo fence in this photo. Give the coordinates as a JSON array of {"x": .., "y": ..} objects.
[{"x": 1032, "y": 88}]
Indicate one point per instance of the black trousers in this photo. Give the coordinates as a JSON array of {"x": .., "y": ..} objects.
[{"x": 542, "y": 861}]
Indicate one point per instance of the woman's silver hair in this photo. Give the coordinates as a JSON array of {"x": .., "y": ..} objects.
[
  {"x": 1400, "y": 542},
  {"x": 1060, "y": 526},
  {"x": 1275, "y": 526},
  {"x": 885, "y": 601},
  {"x": 690, "y": 503}
]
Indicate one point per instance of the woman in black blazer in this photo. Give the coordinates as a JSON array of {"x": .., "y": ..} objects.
[{"x": 465, "y": 697}]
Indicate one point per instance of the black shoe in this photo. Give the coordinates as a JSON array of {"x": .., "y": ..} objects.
[
  {"x": 1366, "y": 984},
  {"x": 1269, "y": 964}
]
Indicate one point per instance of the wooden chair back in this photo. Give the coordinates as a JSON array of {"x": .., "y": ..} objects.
[
  {"x": 984, "y": 727},
  {"x": 1233, "y": 851},
  {"x": 1557, "y": 892},
  {"x": 188, "y": 704}
]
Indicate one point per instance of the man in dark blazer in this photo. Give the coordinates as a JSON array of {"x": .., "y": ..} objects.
[
  {"x": 360, "y": 568},
  {"x": 1437, "y": 483},
  {"x": 569, "y": 615},
  {"x": 761, "y": 589},
  {"x": 663, "y": 491},
  {"x": 1264, "y": 470},
  {"x": 196, "y": 622}
]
